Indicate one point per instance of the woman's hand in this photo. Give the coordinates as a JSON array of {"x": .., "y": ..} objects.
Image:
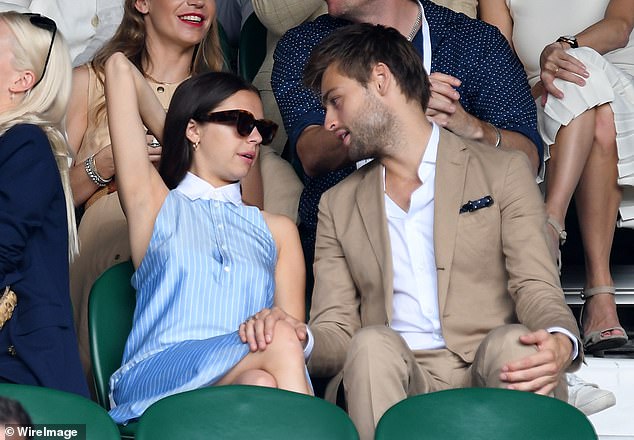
[
  {"x": 257, "y": 331},
  {"x": 555, "y": 62}
]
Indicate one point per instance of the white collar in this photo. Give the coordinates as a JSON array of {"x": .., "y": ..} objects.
[{"x": 193, "y": 187}]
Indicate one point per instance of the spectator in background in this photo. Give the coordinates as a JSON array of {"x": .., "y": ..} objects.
[
  {"x": 38, "y": 345},
  {"x": 581, "y": 68},
  {"x": 479, "y": 89},
  {"x": 232, "y": 14},
  {"x": 468, "y": 7},
  {"x": 12, "y": 413},
  {"x": 86, "y": 24},
  {"x": 282, "y": 186}
]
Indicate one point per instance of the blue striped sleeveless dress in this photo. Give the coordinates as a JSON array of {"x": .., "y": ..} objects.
[{"x": 209, "y": 266}]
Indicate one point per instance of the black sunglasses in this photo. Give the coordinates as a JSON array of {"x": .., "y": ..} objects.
[
  {"x": 47, "y": 24},
  {"x": 244, "y": 121}
]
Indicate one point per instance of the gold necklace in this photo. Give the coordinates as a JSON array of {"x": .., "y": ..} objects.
[
  {"x": 160, "y": 88},
  {"x": 416, "y": 27}
]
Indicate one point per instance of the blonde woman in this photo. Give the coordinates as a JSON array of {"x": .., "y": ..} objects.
[{"x": 37, "y": 222}]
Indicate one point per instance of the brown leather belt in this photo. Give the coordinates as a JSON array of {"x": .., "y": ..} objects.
[{"x": 105, "y": 190}]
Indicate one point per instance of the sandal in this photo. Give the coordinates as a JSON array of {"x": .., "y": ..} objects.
[
  {"x": 598, "y": 340},
  {"x": 561, "y": 236}
]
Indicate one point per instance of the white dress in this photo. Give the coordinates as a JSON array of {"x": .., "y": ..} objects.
[{"x": 537, "y": 23}]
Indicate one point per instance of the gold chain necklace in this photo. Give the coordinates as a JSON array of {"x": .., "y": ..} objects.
[{"x": 162, "y": 84}]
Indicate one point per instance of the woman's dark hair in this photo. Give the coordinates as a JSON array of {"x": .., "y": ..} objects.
[
  {"x": 12, "y": 412},
  {"x": 196, "y": 96}
]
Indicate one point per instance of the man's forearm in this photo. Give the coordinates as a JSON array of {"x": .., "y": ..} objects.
[
  {"x": 486, "y": 133},
  {"x": 320, "y": 151}
]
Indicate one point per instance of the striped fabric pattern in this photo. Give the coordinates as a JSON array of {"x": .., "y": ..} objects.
[{"x": 209, "y": 266}]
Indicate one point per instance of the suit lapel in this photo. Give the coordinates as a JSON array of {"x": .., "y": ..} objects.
[
  {"x": 451, "y": 170},
  {"x": 371, "y": 204}
]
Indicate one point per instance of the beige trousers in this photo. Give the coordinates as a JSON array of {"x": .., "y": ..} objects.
[{"x": 380, "y": 370}]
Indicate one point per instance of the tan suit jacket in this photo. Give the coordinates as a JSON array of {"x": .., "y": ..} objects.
[{"x": 493, "y": 264}]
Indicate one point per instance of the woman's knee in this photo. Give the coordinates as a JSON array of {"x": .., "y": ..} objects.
[
  {"x": 605, "y": 131},
  {"x": 285, "y": 340},
  {"x": 256, "y": 377}
]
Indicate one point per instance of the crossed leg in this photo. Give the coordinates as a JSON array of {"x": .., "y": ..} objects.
[
  {"x": 583, "y": 162},
  {"x": 281, "y": 365}
]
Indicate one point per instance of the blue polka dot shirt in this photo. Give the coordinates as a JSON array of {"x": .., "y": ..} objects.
[{"x": 494, "y": 86}]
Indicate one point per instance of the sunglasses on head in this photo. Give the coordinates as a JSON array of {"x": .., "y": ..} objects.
[
  {"x": 244, "y": 122},
  {"x": 47, "y": 24}
]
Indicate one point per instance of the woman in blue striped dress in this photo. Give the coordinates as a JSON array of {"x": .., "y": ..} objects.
[{"x": 205, "y": 263}]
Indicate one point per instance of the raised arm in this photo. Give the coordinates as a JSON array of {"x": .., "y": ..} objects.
[{"x": 141, "y": 189}]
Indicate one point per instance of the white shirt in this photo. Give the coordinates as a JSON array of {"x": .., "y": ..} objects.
[
  {"x": 415, "y": 303},
  {"x": 415, "y": 312}
]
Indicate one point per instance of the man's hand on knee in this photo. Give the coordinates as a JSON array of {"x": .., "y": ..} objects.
[
  {"x": 540, "y": 372},
  {"x": 257, "y": 331}
]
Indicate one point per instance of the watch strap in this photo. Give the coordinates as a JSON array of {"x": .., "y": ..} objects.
[{"x": 571, "y": 40}]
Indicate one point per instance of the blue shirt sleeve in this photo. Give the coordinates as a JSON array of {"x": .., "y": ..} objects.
[
  {"x": 494, "y": 85},
  {"x": 299, "y": 106}
]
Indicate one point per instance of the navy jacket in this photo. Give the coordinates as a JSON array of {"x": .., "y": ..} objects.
[{"x": 38, "y": 345}]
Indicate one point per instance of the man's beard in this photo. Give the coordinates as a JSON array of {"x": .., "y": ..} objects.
[{"x": 371, "y": 133}]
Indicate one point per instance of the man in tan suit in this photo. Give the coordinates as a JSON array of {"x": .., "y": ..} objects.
[{"x": 431, "y": 269}]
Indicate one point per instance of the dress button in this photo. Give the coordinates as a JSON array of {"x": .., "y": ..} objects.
[
  {"x": 11, "y": 350},
  {"x": 227, "y": 269},
  {"x": 220, "y": 226},
  {"x": 95, "y": 21}
]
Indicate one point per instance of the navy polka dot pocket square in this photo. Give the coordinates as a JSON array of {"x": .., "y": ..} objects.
[{"x": 474, "y": 205}]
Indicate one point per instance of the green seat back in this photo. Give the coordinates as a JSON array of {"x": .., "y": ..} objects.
[
  {"x": 49, "y": 406},
  {"x": 251, "y": 48},
  {"x": 238, "y": 412},
  {"x": 110, "y": 312},
  {"x": 483, "y": 414}
]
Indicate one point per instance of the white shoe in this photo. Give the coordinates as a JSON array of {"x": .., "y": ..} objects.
[{"x": 588, "y": 397}]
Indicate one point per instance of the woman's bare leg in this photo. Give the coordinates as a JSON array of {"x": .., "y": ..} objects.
[
  {"x": 569, "y": 155},
  {"x": 283, "y": 359},
  {"x": 597, "y": 198},
  {"x": 256, "y": 377}
]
